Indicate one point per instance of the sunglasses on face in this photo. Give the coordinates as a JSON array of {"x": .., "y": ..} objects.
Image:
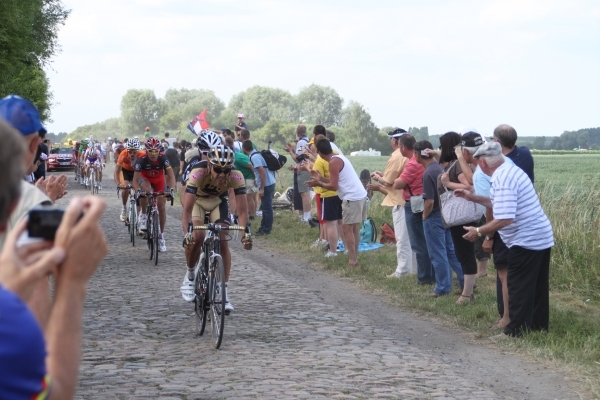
[
  {"x": 219, "y": 170},
  {"x": 132, "y": 151},
  {"x": 153, "y": 152}
]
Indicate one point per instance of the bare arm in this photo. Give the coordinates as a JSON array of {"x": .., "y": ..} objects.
[
  {"x": 187, "y": 200},
  {"x": 263, "y": 178},
  {"x": 116, "y": 176},
  {"x": 467, "y": 194},
  {"x": 399, "y": 184},
  {"x": 136, "y": 178},
  {"x": 170, "y": 178}
]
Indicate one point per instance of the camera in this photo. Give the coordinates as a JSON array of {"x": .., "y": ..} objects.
[
  {"x": 44, "y": 222},
  {"x": 300, "y": 158}
]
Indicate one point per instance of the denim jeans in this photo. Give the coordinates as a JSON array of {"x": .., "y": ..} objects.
[
  {"x": 267, "y": 209},
  {"x": 441, "y": 253},
  {"x": 418, "y": 244}
]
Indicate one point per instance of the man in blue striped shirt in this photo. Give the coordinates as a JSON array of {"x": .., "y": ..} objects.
[{"x": 526, "y": 231}]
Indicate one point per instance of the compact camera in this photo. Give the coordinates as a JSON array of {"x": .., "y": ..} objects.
[{"x": 44, "y": 222}]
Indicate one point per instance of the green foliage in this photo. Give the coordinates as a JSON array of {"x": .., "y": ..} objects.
[
  {"x": 260, "y": 104},
  {"x": 140, "y": 109},
  {"x": 588, "y": 138},
  {"x": 419, "y": 133},
  {"x": 179, "y": 107},
  {"x": 100, "y": 130},
  {"x": 358, "y": 128},
  {"x": 319, "y": 105},
  {"x": 28, "y": 41},
  {"x": 278, "y": 132}
]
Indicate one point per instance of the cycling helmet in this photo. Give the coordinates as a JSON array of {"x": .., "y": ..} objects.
[
  {"x": 208, "y": 139},
  {"x": 221, "y": 156},
  {"x": 133, "y": 144},
  {"x": 153, "y": 144}
]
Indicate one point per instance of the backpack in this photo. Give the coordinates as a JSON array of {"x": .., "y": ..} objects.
[
  {"x": 368, "y": 231},
  {"x": 273, "y": 159},
  {"x": 387, "y": 234}
]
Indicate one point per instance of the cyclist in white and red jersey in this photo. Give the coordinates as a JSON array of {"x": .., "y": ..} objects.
[{"x": 92, "y": 157}]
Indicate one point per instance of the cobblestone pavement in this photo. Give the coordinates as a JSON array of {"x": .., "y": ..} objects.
[{"x": 282, "y": 341}]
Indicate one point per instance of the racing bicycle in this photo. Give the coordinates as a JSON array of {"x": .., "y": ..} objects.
[
  {"x": 131, "y": 212},
  {"x": 153, "y": 222},
  {"x": 209, "y": 281}
]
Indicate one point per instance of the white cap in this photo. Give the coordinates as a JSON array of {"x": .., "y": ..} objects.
[
  {"x": 240, "y": 115},
  {"x": 466, "y": 128}
]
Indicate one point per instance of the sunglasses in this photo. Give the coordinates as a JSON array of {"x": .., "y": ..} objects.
[
  {"x": 132, "y": 151},
  {"x": 153, "y": 151},
  {"x": 219, "y": 170}
]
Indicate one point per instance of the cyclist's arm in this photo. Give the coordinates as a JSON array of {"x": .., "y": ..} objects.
[
  {"x": 135, "y": 183},
  {"x": 187, "y": 200},
  {"x": 170, "y": 178},
  {"x": 117, "y": 173},
  {"x": 242, "y": 209}
]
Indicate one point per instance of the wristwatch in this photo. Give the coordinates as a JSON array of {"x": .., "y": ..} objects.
[{"x": 478, "y": 233}]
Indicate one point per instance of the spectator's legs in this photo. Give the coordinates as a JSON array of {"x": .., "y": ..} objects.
[
  {"x": 502, "y": 294},
  {"x": 403, "y": 250},
  {"x": 436, "y": 238},
  {"x": 267, "y": 208},
  {"x": 251, "y": 197},
  {"x": 416, "y": 235},
  {"x": 332, "y": 234}
]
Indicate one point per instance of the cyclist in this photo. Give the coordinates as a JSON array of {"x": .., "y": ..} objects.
[
  {"x": 92, "y": 157},
  {"x": 125, "y": 162},
  {"x": 205, "y": 141},
  {"x": 206, "y": 191},
  {"x": 149, "y": 175},
  {"x": 118, "y": 148},
  {"x": 102, "y": 164},
  {"x": 83, "y": 145}
]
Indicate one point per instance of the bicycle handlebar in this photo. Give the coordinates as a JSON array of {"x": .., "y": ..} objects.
[
  {"x": 215, "y": 228},
  {"x": 158, "y": 194}
]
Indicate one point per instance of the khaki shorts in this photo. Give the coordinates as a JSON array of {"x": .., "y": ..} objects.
[
  {"x": 219, "y": 209},
  {"x": 354, "y": 212},
  {"x": 251, "y": 186}
]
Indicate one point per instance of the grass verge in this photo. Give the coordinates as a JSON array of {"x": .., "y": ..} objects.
[{"x": 572, "y": 344}]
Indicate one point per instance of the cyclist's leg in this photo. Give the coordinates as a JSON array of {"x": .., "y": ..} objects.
[
  {"x": 192, "y": 253},
  {"x": 146, "y": 187},
  {"x": 220, "y": 215}
]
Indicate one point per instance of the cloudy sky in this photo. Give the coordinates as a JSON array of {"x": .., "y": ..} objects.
[{"x": 442, "y": 64}]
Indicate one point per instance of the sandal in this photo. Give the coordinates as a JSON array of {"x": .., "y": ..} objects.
[{"x": 460, "y": 301}]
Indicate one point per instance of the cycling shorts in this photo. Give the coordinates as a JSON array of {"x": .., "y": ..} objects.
[
  {"x": 95, "y": 162},
  {"x": 157, "y": 183},
  {"x": 217, "y": 206},
  {"x": 127, "y": 175}
]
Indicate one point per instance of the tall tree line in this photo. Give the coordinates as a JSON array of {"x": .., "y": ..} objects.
[{"x": 28, "y": 41}]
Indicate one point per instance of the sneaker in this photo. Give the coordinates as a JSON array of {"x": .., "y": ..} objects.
[
  {"x": 162, "y": 247},
  {"x": 318, "y": 243},
  {"x": 187, "y": 289},
  {"x": 123, "y": 216},
  {"x": 392, "y": 275},
  {"x": 142, "y": 222},
  {"x": 259, "y": 213},
  {"x": 228, "y": 307},
  {"x": 330, "y": 254},
  {"x": 99, "y": 186}
]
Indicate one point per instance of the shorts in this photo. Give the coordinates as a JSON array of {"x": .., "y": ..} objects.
[
  {"x": 354, "y": 212},
  {"x": 303, "y": 176},
  {"x": 158, "y": 183},
  {"x": 127, "y": 175},
  {"x": 175, "y": 173},
  {"x": 96, "y": 162},
  {"x": 332, "y": 208},
  {"x": 217, "y": 206},
  {"x": 500, "y": 252},
  {"x": 251, "y": 186}
]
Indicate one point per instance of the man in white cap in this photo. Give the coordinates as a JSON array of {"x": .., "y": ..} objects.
[{"x": 393, "y": 198}]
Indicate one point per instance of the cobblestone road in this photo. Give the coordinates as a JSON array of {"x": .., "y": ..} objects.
[{"x": 282, "y": 341}]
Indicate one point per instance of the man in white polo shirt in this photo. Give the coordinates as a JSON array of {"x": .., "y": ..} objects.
[
  {"x": 344, "y": 180},
  {"x": 526, "y": 231}
]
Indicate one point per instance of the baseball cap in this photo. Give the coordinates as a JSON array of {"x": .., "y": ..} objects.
[
  {"x": 240, "y": 115},
  {"x": 396, "y": 133},
  {"x": 21, "y": 114},
  {"x": 471, "y": 139},
  {"x": 466, "y": 128},
  {"x": 489, "y": 149}
]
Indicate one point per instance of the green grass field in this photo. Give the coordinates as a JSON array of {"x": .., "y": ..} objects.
[{"x": 569, "y": 189}]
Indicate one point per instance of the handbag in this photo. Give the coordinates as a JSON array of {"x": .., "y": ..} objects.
[
  {"x": 457, "y": 210},
  {"x": 417, "y": 203}
]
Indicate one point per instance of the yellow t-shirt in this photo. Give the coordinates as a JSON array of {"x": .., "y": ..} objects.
[
  {"x": 322, "y": 166},
  {"x": 392, "y": 171}
]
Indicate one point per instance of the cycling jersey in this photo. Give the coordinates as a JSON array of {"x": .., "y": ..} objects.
[
  {"x": 124, "y": 161},
  {"x": 188, "y": 168},
  {"x": 152, "y": 170},
  {"x": 92, "y": 155},
  {"x": 202, "y": 184}
]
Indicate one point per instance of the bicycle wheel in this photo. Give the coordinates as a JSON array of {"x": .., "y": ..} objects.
[
  {"x": 149, "y": 234},
  {"x": 200, "y": 302},
  {"x": 217, "y": 300},
  {"x": 132, "y": 223},
  {"x": 155, "y": 237},
  {"x": 93, "y": 180}
]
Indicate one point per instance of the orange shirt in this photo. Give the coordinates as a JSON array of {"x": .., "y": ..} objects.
[{"x": 124, "y": 161}]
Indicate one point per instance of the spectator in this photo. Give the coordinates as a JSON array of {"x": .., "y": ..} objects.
[
  {"x": 245, "y": 135},
  {"x": 527, "y": 232},
  {"x": 240, "y": 123},
  {"x": 411, "y": 180},
  {"x": 44, "y": 151},
  {"x": 173, "y": 158},
  {"x": 346, "y": 182},
  {"x": 300, "y": 176},
  {"x": 506, "y": 135},
  {"x": 244, "y": 165},
  {"x": 265, "y": 180},
  {"x": 453, "y": 178},
  {"x": 171, "y": 140},
  {"x": 393, "y": 198},
  {"x": 438, "y": 238},
  {"x": 31, "y": 363}
]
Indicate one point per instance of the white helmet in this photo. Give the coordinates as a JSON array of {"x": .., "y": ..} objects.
[{"x": 207, "y": 139}]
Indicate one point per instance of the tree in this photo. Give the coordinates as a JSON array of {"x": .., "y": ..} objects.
[
  {"x": 28, "y": 41},
  {"x": 539, "y": 143},
  {"x": 278, "y": 132},
  {"x": 139, "y": 109},
  {"x": 260, "y": 104},
  {"x": 359, "y": 130},
  {"x": 419, "y": 133},
  {"x": 181, "y": 106},
  {"x": 319, "y": 105}
]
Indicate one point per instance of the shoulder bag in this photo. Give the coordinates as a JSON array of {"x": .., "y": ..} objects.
[{"x": 456, "y": 210}]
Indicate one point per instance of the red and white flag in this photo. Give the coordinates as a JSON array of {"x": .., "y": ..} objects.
[{"x": 198, "y": 123}]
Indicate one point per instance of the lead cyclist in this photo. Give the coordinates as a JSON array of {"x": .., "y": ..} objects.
[{"x": 206, "y": 191}]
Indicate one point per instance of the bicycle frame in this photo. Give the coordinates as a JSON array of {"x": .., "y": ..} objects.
[{"x": 153, "y": 222}]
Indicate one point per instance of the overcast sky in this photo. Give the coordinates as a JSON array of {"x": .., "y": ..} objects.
[{"x": 442, "y": 64}]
